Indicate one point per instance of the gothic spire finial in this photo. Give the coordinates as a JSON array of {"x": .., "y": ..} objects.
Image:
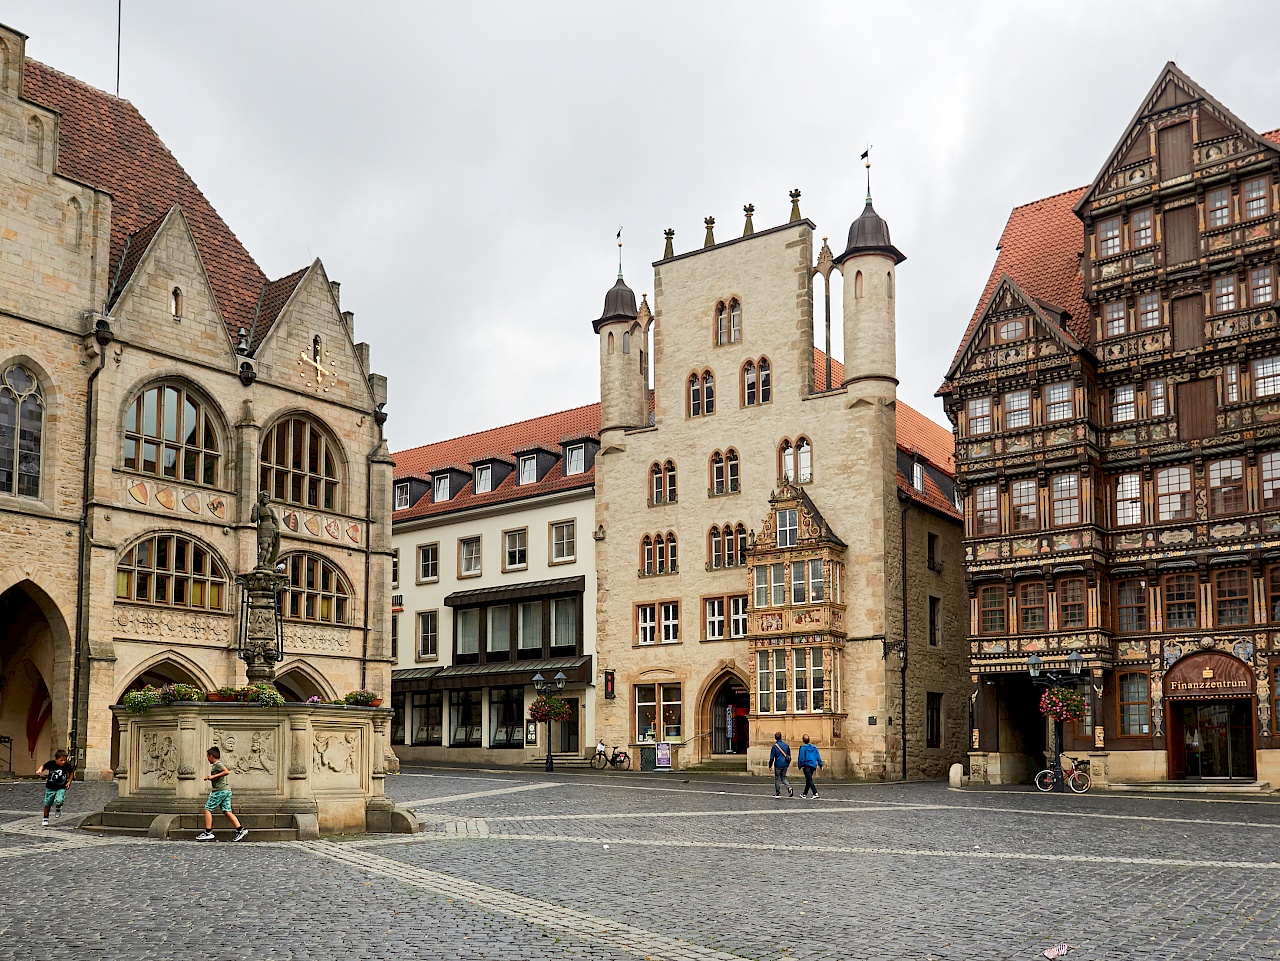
[
  {"x": 619, "y": 253},
  {"x": 866, "y": 159},
  {"x": 795, "y": 204},
  {"x": 748, "y": 229},
  {"x": 710, "y": 240},
  {"x": 670, "y": 235}
]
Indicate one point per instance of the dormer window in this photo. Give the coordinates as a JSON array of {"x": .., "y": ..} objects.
[
  {"x": 528, "y": 469},
  {"x": 402, "y": 496},
  {"x": 575, "y": 459},
  {"x": 788, "y": 526},
  {"x": 483, "y": 479},
  {"x": 440, "y": 491}
]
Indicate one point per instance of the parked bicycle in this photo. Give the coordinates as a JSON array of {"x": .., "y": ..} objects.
[
  {"x": 619, "y": 759},
  {"x": 1077, "y": 777}
]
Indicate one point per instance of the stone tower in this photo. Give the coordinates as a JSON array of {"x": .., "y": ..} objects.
[
  {"x": 624, "y": 371},
  {"x": 870, "y": 328}
]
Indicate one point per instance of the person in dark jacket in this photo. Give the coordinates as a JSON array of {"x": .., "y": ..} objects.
[
  {"x": 780, "y": 760},
  {"x": 809, "y": 760}
]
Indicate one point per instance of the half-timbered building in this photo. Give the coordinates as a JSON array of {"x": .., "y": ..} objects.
[{"x": 1116, "y": 405}]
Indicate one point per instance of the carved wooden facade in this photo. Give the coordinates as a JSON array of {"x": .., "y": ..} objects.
[{"x": 1119, "y": 454}]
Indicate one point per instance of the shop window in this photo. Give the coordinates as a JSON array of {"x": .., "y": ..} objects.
[
  {"x": 1084, "y": 726},
  {"x": 1134, "y": 703},
  {"x": 427, "y": 720},
  {"x": 465, "y": 714},
  {"x": 506, "y": 717},
  {"x": 933, "y": 720}
]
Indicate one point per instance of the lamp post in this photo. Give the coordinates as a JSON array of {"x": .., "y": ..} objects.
[
  {"x": 544, "y": 687},
  {"x": 1035, "y": 667}
]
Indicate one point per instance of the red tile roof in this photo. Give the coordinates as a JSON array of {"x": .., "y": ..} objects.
[
  {"x": 105, "y": 142},
  {"x": 918, "y": 434}
]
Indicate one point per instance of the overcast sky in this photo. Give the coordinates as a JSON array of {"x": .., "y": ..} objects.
[{"x": 462, "y": 167}]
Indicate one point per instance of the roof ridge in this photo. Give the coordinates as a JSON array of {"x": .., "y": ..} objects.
[
  {"x": 76, "y": 80},
  {"x": 1061, "y": 193},
  {"x": 490, "y": 430}
]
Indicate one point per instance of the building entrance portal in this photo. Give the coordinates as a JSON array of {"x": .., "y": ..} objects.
[
  {"x": 1212, "y": 739},
  {"x": 26, "y": 680},
  {"x": 565, "y": 733},
  {"x": 730, "y": 733}
]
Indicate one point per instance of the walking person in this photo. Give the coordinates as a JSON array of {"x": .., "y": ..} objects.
[
  {"x": 58, "y": 773},
  {"x": 809, "y": 760},
  {"x": 780, "y": 760},
  {"x": 219, "y": 799}
]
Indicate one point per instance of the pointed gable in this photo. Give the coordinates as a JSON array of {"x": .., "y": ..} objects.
[{"x": 812, "y": 527}]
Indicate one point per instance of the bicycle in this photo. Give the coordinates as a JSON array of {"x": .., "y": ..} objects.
[
  {"x": 619, "y": 759},
  {"x": 1077, "y": 778}
]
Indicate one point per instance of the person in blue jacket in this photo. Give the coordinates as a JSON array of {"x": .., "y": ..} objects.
[
  {"x": 780, "y": 760},
  {"x": 809, "y": 760}
]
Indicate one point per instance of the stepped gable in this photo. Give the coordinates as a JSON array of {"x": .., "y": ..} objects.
[
  {"x": 501, "y": 442},
  {"x": 105, "y": 142}
]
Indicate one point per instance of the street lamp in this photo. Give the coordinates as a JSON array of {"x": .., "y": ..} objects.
[
  {"x": 544, "y": 687},
  {"x": 1035, "y": 667}
]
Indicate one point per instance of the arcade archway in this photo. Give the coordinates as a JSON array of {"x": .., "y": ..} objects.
[{"x": 29, "y": 640}]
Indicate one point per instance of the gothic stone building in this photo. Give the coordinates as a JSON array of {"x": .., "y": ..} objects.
[
  {"x": 1116, "y": 403},
  {"x": 771, "y": 527},
  {"x": 152, "y": 380}
]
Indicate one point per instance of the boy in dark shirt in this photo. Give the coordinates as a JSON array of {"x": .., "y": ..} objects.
[
  {"x": 58, "y": 773},
  {"x": 219, "y": 799}
]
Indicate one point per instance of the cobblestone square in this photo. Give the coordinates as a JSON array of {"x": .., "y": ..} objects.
[{"x": 517, "y": 865}]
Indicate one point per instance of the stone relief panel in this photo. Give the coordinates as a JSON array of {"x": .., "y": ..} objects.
[
  {"x": 166, "y": 624},
  {"x": 335, "y": 759},
  {"x": 158, "y": 759},
  {"x": 250, "y": 754},
  {"x": 317, "y": 639}
]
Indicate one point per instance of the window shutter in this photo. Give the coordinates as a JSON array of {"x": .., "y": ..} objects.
[
  {"x": 1197, "y": 409},
  {"x": 1175, "y": 151},
  {"x": 1188, "y": 323},
  {"x": 1181, "y": 239}
]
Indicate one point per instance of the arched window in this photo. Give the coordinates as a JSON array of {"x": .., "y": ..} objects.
[
  {"x": 171, "y": 571},
  {"x": 317, "y": 590},
  {"x": 170, "y": 433},
  {"x": 766, "y": 386},
  {"x": 35, "y": 141},
  {"x": 72, "y": 223},
  {"x": 21, "y": 432},
  {"x": 804, "y": 461},
  {"x": 670, "y": 469},
  {"x": 662, "y": 482},
  {"x": 786, "y": 462},
  {"x": 722, "y": 325},
  {"x": 646, "y": 554},
  {"x": 749, "y": 384},
  {"x": 740, "y": 535},
  {"x": 731, "y": 469},
  {"x": 717, "y": 473},
  {"x": 695, "y": 396},
  {"x": 857, "y": 285},
  {"x": 888, "y": 284},
  {"x": 671, "y": 552},
  {"x": 626, "y": 342},
  {"x": 611, "y": 342},
  {"x": 655, "y": 483},
  {"x": 708, "y": 392},
  {"x": 714, "y": 553},
  {"x": 730, "y": 555},
  {"x": 298, "y": 465},
  {"x": 175, "y": 302},
  {"x": 660, "y": 554},
  {"x": 735, "y": 322}
]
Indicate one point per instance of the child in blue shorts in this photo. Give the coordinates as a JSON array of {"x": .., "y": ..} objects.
[
  {"x": 219, "y": 799},
  {"x": 58, "y": 773}
]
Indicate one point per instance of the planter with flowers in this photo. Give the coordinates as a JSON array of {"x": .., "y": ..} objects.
[
  {"x": 1062, "y": 704},
  {"x": 550, "y": 708},
  {"x": 363, "y": 699}
]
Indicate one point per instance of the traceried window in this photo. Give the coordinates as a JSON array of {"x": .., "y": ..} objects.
[
  {"x": 662, "y": 482},
  {"x": 1140, "y": 224},
  {"x": 1226, "y": 487},
  {"x": 1032, "y": 607},
  {"x": 1173, "y": 494},
  {"x": 1224, "y": 294},
  {"x": 979, "y": 416},
  {"x": 1254, "y": 193},
  {"x": 1181, "y": 610},
  {"x": 749, "y": 389},
  {"x": 1134, "y": 704},
  {"x": 1113, "y": 317},
  {"x": 1071, "y": 606},
  {"x": 299, "y": 465},
  {"x": 702, "y": 394},
  {"x": 317, "y": 590},
  {"x": 167, "y": 433},
  {"x": 1123, "y": 403},
  {"x": 708, "y": 392},
  {"x": 1023, "y": 498},
  {"x": 1218, "y": 207},
  {"x": 786, "y": 461},
  {"x": 1148, "y": 311},
  {"x": 1109, "y": 237},
  {"x": 1128, "y": 500},
  {"x": 171, "y": 571},
  {"x": 735, "y": 322},
  {"x": 991, "y": 610},
  {"x": 1266, "y": 377},
  {"x": 1261, "y": 287},
  {"x": 722, "y": 324},
  {"x": 22, "y": 432},
  {"x": 1066, "y": 499},
  {"x": 1157, "y": 401},
  {"x": 1231, "y": 598},
  {"x": 787, "y": 527},
  {"x": 1270, "y": 474},
  {"x": 986, "y": 510},
  {"x": 1017, "y": 409},
  {"x": 1131, "y": 606},
  {"x": 766, "y": 380},
  {"x": 1059, "y": 402}
]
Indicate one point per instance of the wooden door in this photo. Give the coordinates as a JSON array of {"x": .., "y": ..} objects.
[
  {"x": 1188, "y": 323},
  {"x": 1181, "y": 238},
  {"x": 1175, "y": 151},
  {"x": 1197, "y": 409}
]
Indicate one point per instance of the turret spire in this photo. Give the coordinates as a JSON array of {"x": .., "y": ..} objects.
[
  {"x": 619, "y": 252},
  {"x": 866, "y": 160}
]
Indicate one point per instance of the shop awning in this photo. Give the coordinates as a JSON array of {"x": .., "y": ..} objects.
[
  {"x": 529, "y": 590},
  {"x": 504, "y": 674}
]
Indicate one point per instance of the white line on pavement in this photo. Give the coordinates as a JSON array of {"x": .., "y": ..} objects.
[
  {"x": 449, "y": 799},
  {"x": 457, "y": 777}
]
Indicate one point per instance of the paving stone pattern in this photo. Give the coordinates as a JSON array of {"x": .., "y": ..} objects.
[{"x": 513, "y": 865}]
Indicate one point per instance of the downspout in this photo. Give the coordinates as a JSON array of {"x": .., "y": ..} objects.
[
  {"x": 902, "y": 553},
  {"x": 79, "y": 714}
]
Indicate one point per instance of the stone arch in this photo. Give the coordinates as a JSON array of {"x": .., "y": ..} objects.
[
  {"x": 297, "y": 680},
  {"x": 72, "y": 223},
  {"x": 180, "y": 378},
  {"x": 35, "y": 671},
  {"x": 168, "y": 666},
  {"x": 342, "y": 462},
  {"x": 727, "y": 672}
]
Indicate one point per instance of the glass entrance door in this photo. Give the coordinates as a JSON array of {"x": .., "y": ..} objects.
[
  {"x": 1217, "y": 739},
  {"x": 729, "y": 709},
  {"x": 566, "y": 738}
]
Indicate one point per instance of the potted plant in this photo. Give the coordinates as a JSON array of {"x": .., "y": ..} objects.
[
  {"x": 223, "y": 694},
  {"x": 363, "y": 699},
  {"x": 137, "y": 702},
  {"x": 180, "y": 692},
  {"x": 263, "y": 694},
  {"x": 550, "y": 708}
]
